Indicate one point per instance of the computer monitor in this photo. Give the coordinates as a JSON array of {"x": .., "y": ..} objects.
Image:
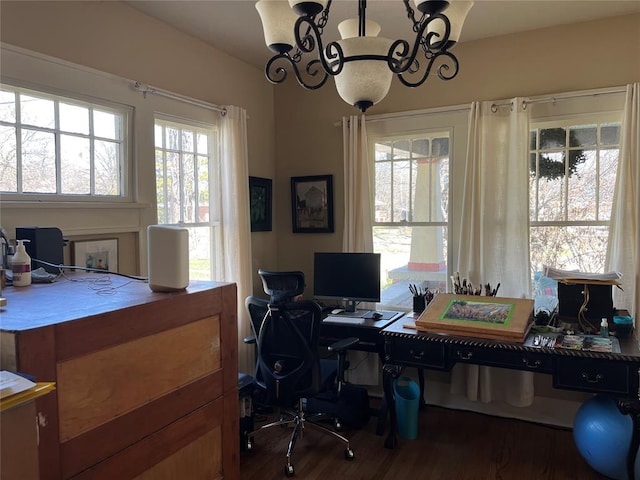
[{"x": 348, "y": 277}]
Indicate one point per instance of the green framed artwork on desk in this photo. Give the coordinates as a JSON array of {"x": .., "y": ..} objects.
[{"x": 498, "y": 318}]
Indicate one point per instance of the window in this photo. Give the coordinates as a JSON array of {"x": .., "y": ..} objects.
[
  {"x": 573, "y": 164},
  {"x": 53, "y": 145},
  {"x": 186, "y": 185},
  {"x": 411, "y": 213}
]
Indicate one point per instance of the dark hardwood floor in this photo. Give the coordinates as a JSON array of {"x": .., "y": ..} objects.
[{"x": 451, "y": 444}]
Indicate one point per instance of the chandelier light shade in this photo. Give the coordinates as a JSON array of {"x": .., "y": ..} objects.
[{"x": 361, "y": 63}]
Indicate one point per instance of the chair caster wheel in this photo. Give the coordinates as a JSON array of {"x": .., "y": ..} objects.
[
  {"x": 288, "y": 470},
  {"x": 249, "y": 445},
  {"x": 337, "y": 425},
  {"x": 348, "y": 454}
]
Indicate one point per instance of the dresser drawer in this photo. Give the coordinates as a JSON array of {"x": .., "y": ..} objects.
[
  {"x": 416, "y": 353},
  {"x": 519, "y": 360},
  {"x": 591, "y": 375}
]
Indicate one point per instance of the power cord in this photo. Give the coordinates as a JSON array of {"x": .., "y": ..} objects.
[{"x": 89, "y": 269}]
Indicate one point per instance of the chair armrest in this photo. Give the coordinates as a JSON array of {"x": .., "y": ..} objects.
[
  {"x": 251, "y": 339},
  {"x": 342, "y": 345}
]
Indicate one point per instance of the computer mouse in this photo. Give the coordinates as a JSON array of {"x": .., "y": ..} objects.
[
  {"x": 336, "y": 311},
  {"x": 377, "y": 315}
]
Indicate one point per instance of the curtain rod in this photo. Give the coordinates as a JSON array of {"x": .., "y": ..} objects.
[
  {"x": 495, "y": 106},
  {"x": 141, "y": 87}
]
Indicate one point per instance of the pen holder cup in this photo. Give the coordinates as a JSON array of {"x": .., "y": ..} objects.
[{"x": 418, "y": 304}]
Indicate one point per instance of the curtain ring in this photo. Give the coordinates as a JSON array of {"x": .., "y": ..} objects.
[
  {"x": 494, "y": 108},
  {"x": 511, "y": 106},
  {"x": 524, "y": 104}
]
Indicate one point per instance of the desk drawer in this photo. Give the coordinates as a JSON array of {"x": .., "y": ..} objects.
[
  {"x": 416, "y": 353},
  {"x": 518, "y": 360},
  {"x": 592, "y": 375}
]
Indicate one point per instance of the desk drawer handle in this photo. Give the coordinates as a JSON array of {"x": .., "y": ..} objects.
[
  {"x": 529, "y": 364},
  {"x": 417, "y": 355},
  {"x": 464, "y": 355},
  {"x": 597, "y": 379}
]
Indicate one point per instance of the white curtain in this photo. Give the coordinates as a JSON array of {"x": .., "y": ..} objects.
[
  {"x": 494, "y": 232},
  {"x": 357, "y": 236},
  {"x": 235, "y": 221},
  {"x": 357, "y": 232},
  {"x": 623, "y": 248}
]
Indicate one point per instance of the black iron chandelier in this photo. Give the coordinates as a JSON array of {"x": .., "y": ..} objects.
[{"x": 361, "y": 63}]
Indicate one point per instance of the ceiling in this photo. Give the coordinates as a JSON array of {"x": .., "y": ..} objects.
[{"x": 234, "y": 26}]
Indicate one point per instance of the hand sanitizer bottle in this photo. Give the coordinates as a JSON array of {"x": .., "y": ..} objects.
[
  {"x": 21, "y": 266},
  {"x": 604, "y": 328}
]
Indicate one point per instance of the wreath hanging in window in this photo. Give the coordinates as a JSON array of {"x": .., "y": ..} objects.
[{"x": 549, "y": 167}]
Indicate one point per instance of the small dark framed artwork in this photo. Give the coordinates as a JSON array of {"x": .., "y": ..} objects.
[
  {"x": 312, "y": 204},
  {"x": 260, "y": 203}
]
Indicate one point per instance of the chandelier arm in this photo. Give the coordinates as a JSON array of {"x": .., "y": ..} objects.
[
  {"x": 332, "y": 60},
  {"x": 278, "y": 74},
  {"x": 442, "y": 70},
  {"x": 399, "y": 60}
]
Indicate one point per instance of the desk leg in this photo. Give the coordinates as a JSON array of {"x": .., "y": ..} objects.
[
  {"x": 390, "y": 372},
  {"x": 632, "y": 407},
  {"x": 422, "y": 405}
]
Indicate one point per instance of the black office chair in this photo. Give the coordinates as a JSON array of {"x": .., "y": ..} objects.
[{"x": 289, "y": 369}]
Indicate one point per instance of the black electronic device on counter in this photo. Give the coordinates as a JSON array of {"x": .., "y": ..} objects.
[
  {"x": 44, "y": 243},
  {"x": 593, "y": 302}
]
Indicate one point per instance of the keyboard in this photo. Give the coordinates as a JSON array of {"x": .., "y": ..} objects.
[{"x": 344, "y": 320}]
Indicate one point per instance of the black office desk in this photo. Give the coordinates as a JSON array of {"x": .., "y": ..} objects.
[{"x": 615, "y": 374}]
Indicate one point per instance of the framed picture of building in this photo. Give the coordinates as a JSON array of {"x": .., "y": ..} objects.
[
  {"x": 260, "y": 204},
  {"x": 312, "y": 204}
]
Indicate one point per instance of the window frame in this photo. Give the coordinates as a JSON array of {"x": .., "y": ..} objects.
[
  {"x": 214, "y": 182},
  {"x": 126, "y": 145}
]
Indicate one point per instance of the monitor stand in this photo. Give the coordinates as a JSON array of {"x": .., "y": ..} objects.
[{"x": 350, "y": 305}]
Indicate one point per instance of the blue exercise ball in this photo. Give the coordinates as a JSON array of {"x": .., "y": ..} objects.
[{"x": 602, "y": 435}]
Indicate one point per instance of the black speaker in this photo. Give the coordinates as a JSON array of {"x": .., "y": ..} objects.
[{"x": 45, "y": 243}]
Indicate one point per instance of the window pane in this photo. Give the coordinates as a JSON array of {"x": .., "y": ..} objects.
[
  {"x": 7, "y": 106},
  {"x": 552, "y": 138},
  {"x": 610, "y": 134},
  {"x": 383, "y": 207},
  {"x": 569, "y": 248},
  {"x": 440, "y": 147},
  {"x": 532, "y": 139},
  {"x": 173, "y": 138},
  {"x": 75, "y": 165},
  {"x": 401, "y": 190},
  {"x": 8, "y": 162},
  {"x": 608, "y": 169},
  {"x": 38, "y": 162},
  {"x": 200, "y": 253},
  {"x": 37, "y": 111},
  {"x": 203, "y": 144},
  {"x": 583, "y": 136},
  {"x": 420, "y": 147},
  {"x": 158, "y": 135},
  {"x": 551, "y": 187},
  {"x": 189, "y": 194},
  {"x": 187, "y": 141},
  {"x": 583, "y": 184},
  {"x": 160, "y": 184},
  {"x": 74, "y": 119},
  {"x": 401, "y": 149},
  {"x": 383, "y": 151},
  {"x": 203, "y": 189},
  {"x": 414, "y": 255},
  {"x": 173, "y": 187},
  {"x": 107, "y": 168},
  {"x": 107, "y": 125}
]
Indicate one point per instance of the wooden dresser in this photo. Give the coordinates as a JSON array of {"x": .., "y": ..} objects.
[{"x": 146, "y": 382}]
